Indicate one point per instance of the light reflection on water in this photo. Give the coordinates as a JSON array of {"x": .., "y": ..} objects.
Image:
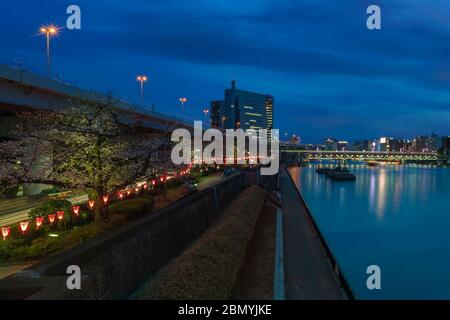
[{"x": 397, "y": 217}]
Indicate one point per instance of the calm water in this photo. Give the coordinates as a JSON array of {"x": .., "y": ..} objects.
[{"x": 396, "y": 217}]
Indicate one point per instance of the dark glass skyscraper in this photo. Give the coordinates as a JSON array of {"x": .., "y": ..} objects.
[{"x": 244, "y": 109}]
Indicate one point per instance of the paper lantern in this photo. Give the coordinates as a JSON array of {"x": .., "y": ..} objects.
[
  {"x": 136, "y": 189},
  {"x": 60, "y": 215},
  {"x": 5, "y": 232},
  {"x": 128, "y": 192},
  {"x": 105, "y": 199},
  {"x": 145, "y": 186},
  {"x": 153, "y": 182},
  {"x": 91, "y": 204},
  {"x": 39, "y": 222},
  {"x": 76, "y": 210},
  {"x": 23, "y": 226},
  {"x": 51, "y": 218}
]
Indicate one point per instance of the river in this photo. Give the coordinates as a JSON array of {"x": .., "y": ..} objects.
[{"x": 396, "y": 217}]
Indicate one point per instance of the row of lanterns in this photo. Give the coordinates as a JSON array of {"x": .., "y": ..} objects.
[{"x": 24, "y": 225}]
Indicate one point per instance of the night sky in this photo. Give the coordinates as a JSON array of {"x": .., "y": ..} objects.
[{"x": 330, "y": 75}]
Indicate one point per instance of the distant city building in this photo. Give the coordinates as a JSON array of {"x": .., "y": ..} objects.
[
  {"x": 434, "y": 142},
  {"x": 446, "y": 144},
  {"x": 244, "y": 109},
  {"x": 363, "y": 145},
  {"x": 331, "y": 144},
  {"x": 342, "y": 145},
  {"x": 295, "y": 139}
]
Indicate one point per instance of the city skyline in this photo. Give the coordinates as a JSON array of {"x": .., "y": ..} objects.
[{"x": 390, "y": 82}]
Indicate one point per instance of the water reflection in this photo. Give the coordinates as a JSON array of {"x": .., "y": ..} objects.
[{"x": 395, "y": 216}]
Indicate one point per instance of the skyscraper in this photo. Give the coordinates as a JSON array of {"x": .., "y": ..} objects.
[{"x": 244, "y": 109}]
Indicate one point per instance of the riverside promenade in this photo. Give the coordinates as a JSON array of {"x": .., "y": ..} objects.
[{"x": 308, "y": 272}]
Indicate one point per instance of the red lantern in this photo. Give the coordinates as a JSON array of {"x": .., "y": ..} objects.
[
  {"x": 105, "y": 199},
  {"x": 51, "y": 218},
  {"x": 91, "y": 204},
  {"x": 5, "y": 232},
  {"x": 161, "y": 178},
  {"x": 153, "y": 182},
  {"x": 136, "y": 189},
  {"x": 145, "y": 186},
  {"x": 120, "y": 194},
  {"x": 60, "y": 215},
  {"x": 24, "y": 226},
  {"x": 76, "y": 210},
  {"x": 39, "y": 222},
  {"x": 128, "y": 192}
]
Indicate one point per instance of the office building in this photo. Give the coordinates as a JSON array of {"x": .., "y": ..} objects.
[{"x": 244, "y": 109}]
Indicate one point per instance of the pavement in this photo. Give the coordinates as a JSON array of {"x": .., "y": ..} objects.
[
  {"x": 209, "y": 181},
  {"x": 308, "y": 273}
]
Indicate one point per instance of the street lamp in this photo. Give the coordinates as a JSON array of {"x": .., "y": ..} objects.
[
  {"x": 206, "y": 111},
  {"x": 182, "y": 100},
  {"x": 223, "y": 122},
  {"x": 141, "y": 80},
  {"x": 49, "y": 31}
]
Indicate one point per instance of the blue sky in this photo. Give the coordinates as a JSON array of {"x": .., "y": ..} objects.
[{"x": 330, "y": 75}]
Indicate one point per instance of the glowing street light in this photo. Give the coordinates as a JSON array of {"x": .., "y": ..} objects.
[
  {"x": 223, "y": 122},
  {"x": 183, "y": 101},
  {"x": 49, "y": 31},
  {"x": 141, "y": 80},
  {"x": 206, "y": 111}
]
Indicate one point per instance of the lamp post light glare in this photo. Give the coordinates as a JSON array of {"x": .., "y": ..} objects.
[
  {"x": 206, "y": 111},
  {"x": 141, "y": 80},
  {"x": 49, "y": 31},
  {"x": 183, "y": 101}
]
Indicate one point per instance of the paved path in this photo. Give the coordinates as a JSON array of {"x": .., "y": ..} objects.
[
  {"x": 308, "y": 273},
  {"x": 210, "y": 180}
]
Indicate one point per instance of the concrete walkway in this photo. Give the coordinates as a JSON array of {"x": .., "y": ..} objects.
[{"x": 308, "y": 273}]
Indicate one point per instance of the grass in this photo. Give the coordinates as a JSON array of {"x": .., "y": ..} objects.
[
  {"x": 209, "y": 268},
  {"x": 255, "y": 280}
]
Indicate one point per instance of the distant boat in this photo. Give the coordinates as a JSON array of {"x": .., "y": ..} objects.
[{"x": 339, "y": 173}]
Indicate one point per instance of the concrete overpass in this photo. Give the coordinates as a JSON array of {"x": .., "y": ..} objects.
[{"x": 21, "y": 89}]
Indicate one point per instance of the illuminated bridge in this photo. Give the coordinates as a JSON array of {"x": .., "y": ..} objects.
[{"x": 363, "y": 155}]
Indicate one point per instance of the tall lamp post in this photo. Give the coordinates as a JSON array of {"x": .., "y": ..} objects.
[
  {"x": 183, "y": 101},
  {"x": 223, "y": 122},
  {"x": 206, "y": 111},
  {"x": 49, "y": 31},
  {"x": 141, "y": 80}
]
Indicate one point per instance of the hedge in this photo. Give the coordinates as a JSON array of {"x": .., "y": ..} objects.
[
  {"x": 131, "y": 208},
  {"x": 209, "y": 268}
]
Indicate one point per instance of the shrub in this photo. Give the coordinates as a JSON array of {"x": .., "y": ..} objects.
[
  {"x": 209, "y": 268},
  {"x": 131, "y": 208},
  {"x": 50, "y": 190},
  {"x": 49, "y": 207}
]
